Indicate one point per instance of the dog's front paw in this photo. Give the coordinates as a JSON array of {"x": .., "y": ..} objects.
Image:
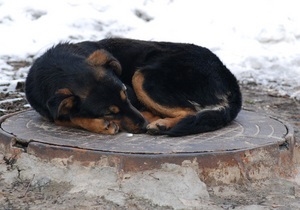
[
  {"x": 110, "y": 127},
  {"x": 96, "y": 125},
  {"x": 156, "y": 127}
]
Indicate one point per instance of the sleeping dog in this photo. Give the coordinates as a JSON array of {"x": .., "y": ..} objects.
[{"x": 137, "y": 86}]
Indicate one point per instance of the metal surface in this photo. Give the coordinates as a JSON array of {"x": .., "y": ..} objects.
[
  {"x": 252, "y": 147},
  {"x": 248, "y": 131}
]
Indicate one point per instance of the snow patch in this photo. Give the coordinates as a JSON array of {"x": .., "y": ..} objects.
[{"x": 258, "y": 40}]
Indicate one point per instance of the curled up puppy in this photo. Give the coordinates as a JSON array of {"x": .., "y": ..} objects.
[{"x": 137, "y": 86}]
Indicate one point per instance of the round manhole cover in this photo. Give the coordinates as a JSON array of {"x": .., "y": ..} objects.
[
  {"x": 252, "y": 146},
  {"x": 249, "y": 130}
]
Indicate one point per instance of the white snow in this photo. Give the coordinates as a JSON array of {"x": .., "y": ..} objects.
[
  {"x": 11, "y": 100},
  {"x": 259, "y": 40}
]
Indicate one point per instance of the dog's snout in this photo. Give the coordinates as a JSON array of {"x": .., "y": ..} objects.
[
  {"x": 134, "y": 122},
  {"x": 144, "y": 126},
  {"x": 141, "y": 125}
]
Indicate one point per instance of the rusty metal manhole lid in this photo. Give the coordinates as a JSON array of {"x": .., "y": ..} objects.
[{"x": 249, "y": 130}]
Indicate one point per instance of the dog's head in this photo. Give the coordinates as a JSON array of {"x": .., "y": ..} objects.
[{"x": 98, "y": 94}]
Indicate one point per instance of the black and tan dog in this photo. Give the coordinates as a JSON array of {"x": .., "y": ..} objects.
[{"x": 136, "y": 86}]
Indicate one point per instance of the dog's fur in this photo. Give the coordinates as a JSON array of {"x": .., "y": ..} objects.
[{"x": 137, "y": 86}]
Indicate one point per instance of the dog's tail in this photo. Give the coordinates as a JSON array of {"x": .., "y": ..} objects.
[{"x": 209, "y": 119}]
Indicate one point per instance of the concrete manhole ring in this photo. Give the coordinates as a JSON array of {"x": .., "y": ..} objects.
[{"x": 252, "y": 140}]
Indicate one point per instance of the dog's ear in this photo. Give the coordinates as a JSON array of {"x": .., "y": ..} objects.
[
  {"x": 103, "y": 58},
  {"x": 62, "y": 102},
  {"x": 116, "y": 66}
]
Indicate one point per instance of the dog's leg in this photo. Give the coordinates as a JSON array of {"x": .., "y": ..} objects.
[
  {"x": 149, "y": 116},
  {"x": 172, "y": 115},
  {"x": 96, "y": 125}
]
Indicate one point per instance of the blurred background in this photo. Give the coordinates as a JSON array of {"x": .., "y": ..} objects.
[{"x": 258, "y": 40}]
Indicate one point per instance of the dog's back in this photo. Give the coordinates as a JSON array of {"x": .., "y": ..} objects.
[{"x": 183, "y": 76}]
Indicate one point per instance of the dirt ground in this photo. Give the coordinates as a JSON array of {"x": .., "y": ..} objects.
[{"x": 19, "y": 193}]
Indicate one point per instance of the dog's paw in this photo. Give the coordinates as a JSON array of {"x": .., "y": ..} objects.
[
  {"x": 156, "y": 127},
  {"x": 110, "y": 127}
]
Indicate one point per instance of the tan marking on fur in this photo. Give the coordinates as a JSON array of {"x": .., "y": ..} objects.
[
  {"x": 114, "y": 109},
  {"x": 64, "y": 91},
  {"x": 82, "y": 92},
  {"x": 174, "y": 115},
  {"x": 96, "y": 125},
  {"x": 99, "y": 57},
  {"x": 166, "y": 122},
  {"x": 137, "y": 81},
  {"x": 65, "y": 106},
  {"x": 99, "y": 73},
  {"x": 149, "y": 116},
  {"x": 123, "y": 95},
  {"x": 116, "y": 66}
]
